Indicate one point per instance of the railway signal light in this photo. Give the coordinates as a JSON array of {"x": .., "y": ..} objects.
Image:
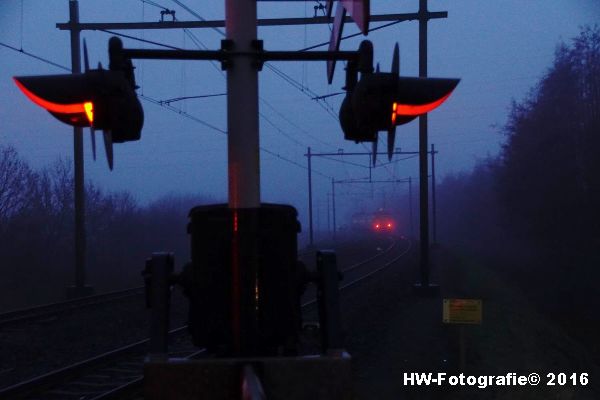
[
  {"x": 380, "y": 101},
  {"x": 98, "y": 98}
]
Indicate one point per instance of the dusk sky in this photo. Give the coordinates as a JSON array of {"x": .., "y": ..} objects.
[{"x": 499, "y": 49}]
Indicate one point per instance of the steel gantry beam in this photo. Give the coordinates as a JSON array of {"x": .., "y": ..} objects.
[{"x": 93, "y": 26}]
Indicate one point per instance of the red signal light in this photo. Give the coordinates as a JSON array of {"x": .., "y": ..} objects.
[
  {"x": 99, "y": 99},
  {"x": 89, "y": 111},
  {"x": 410, "y": 110},
  {"x": 75, "y": 112}
]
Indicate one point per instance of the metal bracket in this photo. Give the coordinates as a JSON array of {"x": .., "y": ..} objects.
[
  {"x": 226, "y": 52},
  {"x": 365, "y": 57},
  {"x": 158, "y": 278},
  {"x": 227, "y": 46},
  {"x": 118, "y": 61},
  {"x": 351, "y": 75},
  {"x": 257, "y": 45},
  {"x": 167, "y": 12},
  {"x": 328, "y": 301}
]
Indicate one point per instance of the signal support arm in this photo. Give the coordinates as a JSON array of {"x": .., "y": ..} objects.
[{"x": 228, "y": 53}]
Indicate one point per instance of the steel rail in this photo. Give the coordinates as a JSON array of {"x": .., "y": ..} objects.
[
  {"x": 76, "y": 369},
  {"x": 307, "y": 251},
  {"x": 49, "y": 309},
  {"x": 38, "y": 384},
  {"x": 368, "y": 260},
  {"x": 386, "y": 265},
  {"x": 136, "y": 383}
]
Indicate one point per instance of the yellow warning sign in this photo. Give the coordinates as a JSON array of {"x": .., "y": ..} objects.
[{"x": 462, "y": 311}]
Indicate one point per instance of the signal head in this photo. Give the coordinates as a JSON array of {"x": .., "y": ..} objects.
[
  {"x": 98, "y": 98},
  {"x": 66, "y": 97},
  {"x": 418, "y": 96},
  {"x": 381, "y": 101}
]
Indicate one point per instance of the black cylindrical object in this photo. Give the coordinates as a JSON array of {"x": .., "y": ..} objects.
[{"x": 269, "y": 299}]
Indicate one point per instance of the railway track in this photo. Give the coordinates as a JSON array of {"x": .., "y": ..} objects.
[
  {"x": 50, "y": 309},
  {"x": 385, "y": 265},
  {"x": 119, "y": 372},
  {"x": 106, "y": 376},
  {"x": 353, "y": 275},
  {"x": 337, "y": 246}
]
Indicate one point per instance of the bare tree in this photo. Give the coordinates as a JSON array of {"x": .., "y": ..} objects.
[{"x": 15, "y": 177}]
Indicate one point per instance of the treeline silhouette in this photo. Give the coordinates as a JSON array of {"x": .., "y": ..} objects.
[
  {"x": 37, "y": 232},
  {"x": 535, "y": 208}
]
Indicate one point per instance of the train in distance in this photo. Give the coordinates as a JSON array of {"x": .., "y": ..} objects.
[{"x": 379, "y": 221}]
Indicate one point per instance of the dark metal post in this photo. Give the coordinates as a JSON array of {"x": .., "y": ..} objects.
[
  {"x": 328, "y": 215},
  {"x": 242, "y": 91},
  {"x": 328, "y": 301},
  {"x": 79, "y": 190},
  {"x": 462, "y": 348},
  {"x": 310, "y": 206},
  {"x": 159, "y": 269},
  {"x": 410, "y": 207},
  {"x": 423, "y": 173},
  {"x": 333, "y": 206},
  {"x": 424, "y": 287},
  {"x": 433, "y": 210},
  {"x": 243, "y": 166}
]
